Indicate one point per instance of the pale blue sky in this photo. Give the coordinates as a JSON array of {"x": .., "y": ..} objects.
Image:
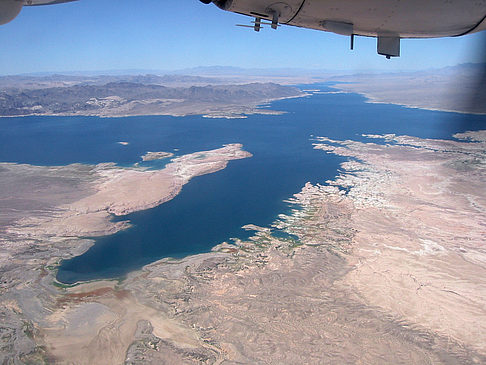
[{"x": 174, "y": 34}]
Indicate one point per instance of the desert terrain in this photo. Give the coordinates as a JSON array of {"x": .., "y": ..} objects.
[
  {"x": 455, "y": 89},
  {"x": 384, "y": 264}
]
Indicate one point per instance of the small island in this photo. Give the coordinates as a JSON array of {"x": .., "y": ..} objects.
[{"x": 151, "y": 156}]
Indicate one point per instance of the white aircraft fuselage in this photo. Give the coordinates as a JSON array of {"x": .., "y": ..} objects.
[{"x": 388, "y": 20}]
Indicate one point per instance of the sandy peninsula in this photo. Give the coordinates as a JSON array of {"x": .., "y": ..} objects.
[{"x": 120, "y": 191}]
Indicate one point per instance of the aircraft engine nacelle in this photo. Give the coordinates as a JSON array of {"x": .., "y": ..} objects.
[
  {"x": 9, "y": 9},
  {"x": 408, "y": 19},
  {"x": 388, "y": 20}
]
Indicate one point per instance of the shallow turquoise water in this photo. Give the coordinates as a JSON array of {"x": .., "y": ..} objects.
[{"x": 212, "y": 208}]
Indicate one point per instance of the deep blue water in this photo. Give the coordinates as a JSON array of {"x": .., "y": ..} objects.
[{"x": 212, "y": 208}]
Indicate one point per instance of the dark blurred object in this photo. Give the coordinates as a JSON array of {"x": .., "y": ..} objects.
[{"x": 478, "y": 95}]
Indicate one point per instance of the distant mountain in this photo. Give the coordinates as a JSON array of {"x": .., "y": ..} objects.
[
  {"x": 98, "y": 72},
  {"x": 232, "y": 71},
  {"x": 237, "y": 71},
  {"x": 23, "y": 81},
  {"x": 195, "y": 71},
  {"x": 130, "y": 98}
]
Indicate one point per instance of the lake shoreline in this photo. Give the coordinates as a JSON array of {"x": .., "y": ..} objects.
[{"x": 212, "y": 304}]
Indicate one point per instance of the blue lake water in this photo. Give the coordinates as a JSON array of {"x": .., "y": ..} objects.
[{"x": 212, "y": 208}]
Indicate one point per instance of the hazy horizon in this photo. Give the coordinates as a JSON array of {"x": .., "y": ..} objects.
[{"x": 225, "y": 70}]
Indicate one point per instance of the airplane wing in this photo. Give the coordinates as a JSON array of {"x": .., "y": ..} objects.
[
  {"x": 45, "y": 2},
  {"x": 387, "y": 20},
  {"x": 9, "y": 9}
]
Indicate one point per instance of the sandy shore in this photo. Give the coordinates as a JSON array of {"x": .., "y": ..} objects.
[
  {"x": 437, "y": 93},
  {"x": 386, "y": 99}
]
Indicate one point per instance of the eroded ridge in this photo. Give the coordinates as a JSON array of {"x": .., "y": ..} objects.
[{"x": 419, "y": 244}]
